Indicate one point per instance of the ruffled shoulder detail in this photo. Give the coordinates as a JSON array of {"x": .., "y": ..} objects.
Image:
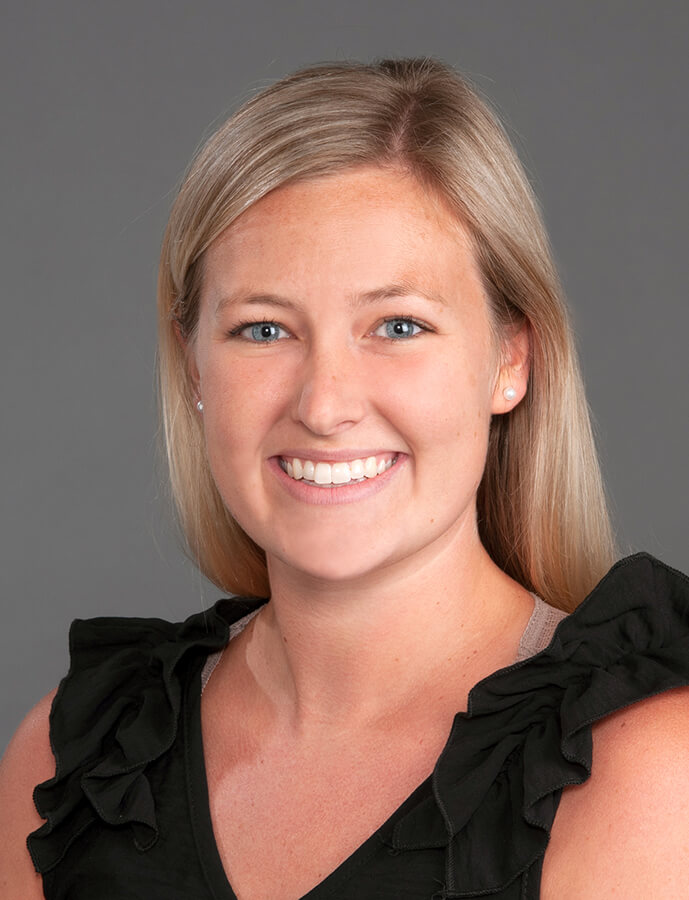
[
  {"x": 114, "y": 714},
  {"x": 527, "y": 730}
]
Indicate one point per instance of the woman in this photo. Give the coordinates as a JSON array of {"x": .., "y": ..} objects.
[{"x": 374, "y": 418}]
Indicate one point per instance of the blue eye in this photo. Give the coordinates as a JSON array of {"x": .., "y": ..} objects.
[
  {"x": 399, "y": 329},
  {"x": 260, "y": 332}
]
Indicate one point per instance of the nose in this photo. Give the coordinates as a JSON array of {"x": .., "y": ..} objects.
[{"x": 331, "y": 394}]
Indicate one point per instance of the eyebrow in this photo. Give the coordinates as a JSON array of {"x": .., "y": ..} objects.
[{"x": 397, "y": 289}]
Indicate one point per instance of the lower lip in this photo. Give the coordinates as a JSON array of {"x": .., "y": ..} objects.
[{"x": 341, "y": 493}]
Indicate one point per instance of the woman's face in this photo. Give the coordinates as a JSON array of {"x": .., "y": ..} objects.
[{"x": 343, "y": 333}]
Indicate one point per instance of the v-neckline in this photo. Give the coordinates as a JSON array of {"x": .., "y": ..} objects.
[
  {"x": 199, "y": 801},
  {"x": 202, "y": 821}
]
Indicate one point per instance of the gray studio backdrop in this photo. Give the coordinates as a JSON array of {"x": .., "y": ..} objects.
[{"x": 103, "y": 105}]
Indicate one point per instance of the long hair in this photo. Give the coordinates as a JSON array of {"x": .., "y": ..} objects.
[{"x": 542, "y": 513}]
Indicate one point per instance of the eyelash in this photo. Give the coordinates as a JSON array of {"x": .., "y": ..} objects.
[
  {"x": 236, "y": 331},
  {"x": 411, "y": 320}
]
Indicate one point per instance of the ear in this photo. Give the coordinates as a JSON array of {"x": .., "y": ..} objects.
[
  {"x": 513, "y": 376},
  {"x": 187, "y": 348}
]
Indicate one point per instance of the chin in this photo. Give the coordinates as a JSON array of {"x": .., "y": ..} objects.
[
  {"x": 333, "y": 564},
  {"x": 332, "y": 571}
]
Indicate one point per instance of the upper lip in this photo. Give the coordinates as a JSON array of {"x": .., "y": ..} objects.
[{"x": 333, "y": 455}]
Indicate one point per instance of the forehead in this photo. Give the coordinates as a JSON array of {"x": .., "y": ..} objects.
[{"x": 354, "y": 226}]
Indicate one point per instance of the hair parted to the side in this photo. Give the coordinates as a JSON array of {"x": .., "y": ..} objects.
[{"x": 541, "y": 504}]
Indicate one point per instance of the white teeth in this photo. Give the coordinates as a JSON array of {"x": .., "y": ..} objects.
[
  {"x": 371, "y": 467},
  {"x": 323, "y": 473},
  {"x": 327, "y": 474},
  {"x": 341, "y": 473},
  {"x": 356, "y": 468}
]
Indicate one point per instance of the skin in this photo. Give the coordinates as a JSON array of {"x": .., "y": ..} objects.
[
  {"x": 333, "y": 382},
  {"x": 334, "y": 682},
  {"x": 336, "y": 672}
]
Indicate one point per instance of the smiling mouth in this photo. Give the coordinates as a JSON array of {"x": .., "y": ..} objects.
[{"x": 335, "y": 474}]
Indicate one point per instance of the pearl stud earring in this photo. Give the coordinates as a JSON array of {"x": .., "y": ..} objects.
[
  {"x": 509, "y": 393},
  {"x": 199, "y": 405}
]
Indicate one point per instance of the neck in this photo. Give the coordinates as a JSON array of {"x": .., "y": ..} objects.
[{"x": 346, "y": 654}]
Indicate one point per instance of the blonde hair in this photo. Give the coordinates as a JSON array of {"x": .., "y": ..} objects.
[{"x": 541, "y": 506}]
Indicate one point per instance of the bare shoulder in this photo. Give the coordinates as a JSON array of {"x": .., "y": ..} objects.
[
  {"x": 625, "y": 832},
  {"x": 28, "y": 761}
]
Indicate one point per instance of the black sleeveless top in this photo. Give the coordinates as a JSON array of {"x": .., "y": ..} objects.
[{"x": 127, "y": 811}]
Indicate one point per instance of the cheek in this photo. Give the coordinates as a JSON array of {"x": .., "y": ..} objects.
[
  {"x": 446, "y": 422},
  {"x": 447, "y": 397},
  {"x": 242, "y": 389},
  {"x": 240, "y": 403}
]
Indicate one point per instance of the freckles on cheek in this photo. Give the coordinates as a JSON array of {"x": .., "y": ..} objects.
[
  {"x": 424, "y": 390},
  {"x": 242, "y": 403},
  {"x": 231, "y": 383}
]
